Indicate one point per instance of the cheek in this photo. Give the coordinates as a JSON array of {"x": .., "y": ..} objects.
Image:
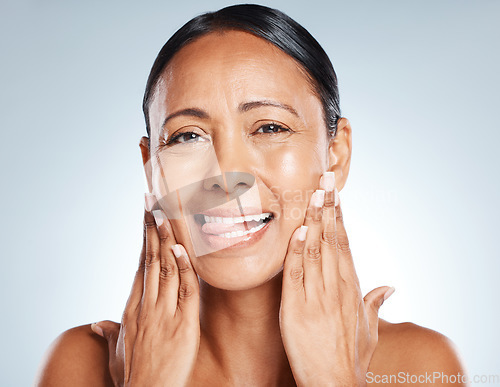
[{"x": 295, "y": 176}]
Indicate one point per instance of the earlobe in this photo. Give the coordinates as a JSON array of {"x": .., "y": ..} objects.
[
  {"x": 339, "y": 152},
  {"x": 146, "y": 160}
]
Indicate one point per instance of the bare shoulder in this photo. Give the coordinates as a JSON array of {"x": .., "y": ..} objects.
[
  {"x": 406, "y": 349},
  {"x": 77, "y": 357}
]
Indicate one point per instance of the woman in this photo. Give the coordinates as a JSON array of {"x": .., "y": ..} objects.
[{"x": 246, "y": 276}]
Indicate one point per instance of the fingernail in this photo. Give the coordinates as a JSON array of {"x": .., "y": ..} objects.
[
  {"x": 319, "y": 198},
  {"x": 328, "y": 181},
  {"x": 337, "y": 198},
  {"x": 158, "y": 217},
  {"x": 177, "y": 251},
  {"x": 149, "y": 201},
  {"x": 389, "y": 292},
  {"x": 97, "y": 329},
  {"x": 302, "y": 233}
]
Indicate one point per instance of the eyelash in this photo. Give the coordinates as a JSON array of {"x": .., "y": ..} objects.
[{"x": 179, "y": 135}]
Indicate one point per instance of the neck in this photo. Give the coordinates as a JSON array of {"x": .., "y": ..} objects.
[{"x": 240, "y": 333}]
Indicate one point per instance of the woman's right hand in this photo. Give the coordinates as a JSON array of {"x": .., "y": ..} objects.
[{"x": 157, "y": 342}]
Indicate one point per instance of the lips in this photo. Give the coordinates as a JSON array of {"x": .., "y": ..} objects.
[
  {"x": 234, "y": 239},
  {"x": 222, "y": 228},
  {"x": 231, "y": 228},
  {"x": 225, "y": 225}
]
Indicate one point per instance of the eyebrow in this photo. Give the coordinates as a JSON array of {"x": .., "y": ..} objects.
[
  {"x": 190, "y": 112},
  {"x": 243, "y": 107}
]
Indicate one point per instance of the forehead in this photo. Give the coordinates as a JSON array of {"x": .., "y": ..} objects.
[{"x": 224, "y": 69}]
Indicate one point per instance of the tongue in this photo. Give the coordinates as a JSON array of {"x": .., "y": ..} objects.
[{"x": 221, "y": 228}]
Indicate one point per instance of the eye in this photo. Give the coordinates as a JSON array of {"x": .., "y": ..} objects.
[
  {"x": 185, "y": 138},
  {"x": 273, "y": 128}
]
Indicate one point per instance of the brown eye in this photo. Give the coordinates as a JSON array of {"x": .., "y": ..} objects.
[
  {"x": 273, "y": 128},
  {"x": 185, "y": 138}
]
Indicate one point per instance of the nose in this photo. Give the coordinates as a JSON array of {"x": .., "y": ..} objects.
[
  {"x": 235, "y": 165},
  {"x": 236, "y": 183}
]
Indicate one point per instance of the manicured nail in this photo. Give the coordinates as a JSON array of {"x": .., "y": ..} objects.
[
  {"x": 319, "y": 198},
  {"x": 177, "y": 251},
  {"x": 302, "y": 233},
  {"x": 328, "y": 181},
  {"x": 337, "y": 198},
  {"x": 389, "y": 292},
  {"x": 158, "y": 217},
  {"x": 149, "y": 201},
  {"x": 97, "y": 329}
]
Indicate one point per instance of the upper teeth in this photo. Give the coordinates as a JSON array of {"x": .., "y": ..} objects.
[{"x": 238, "y": 219}]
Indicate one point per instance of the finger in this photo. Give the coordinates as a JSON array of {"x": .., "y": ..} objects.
[
  {"x": 152, "y": 259},
  {"x": 373, "y": 301},
  {"x": 329, "y": 254},
  {"x": 346, "y": 263},
  {"x": 134, "y": 300},
  {"x": 189, "y": 288},
  {"x": 169, "y": 276},
  {"x": 293, "y": 271},
  {"x": 313, "y": 278},
  {"x": 109, "y": 330}
]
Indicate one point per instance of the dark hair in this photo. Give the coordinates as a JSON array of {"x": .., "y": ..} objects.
[{"x": 271, "y": 25}]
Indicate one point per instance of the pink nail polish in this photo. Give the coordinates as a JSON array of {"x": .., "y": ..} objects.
[
  {"x": 302, "y": 233},
  {"x": 149, "y": 201},
  {"x": 158, "y": 217},
  {"x": 319, "y": 198},
  {"x": 97, "y": 329},
  {"x": 337, "y": 198},
  {"x": 177, "y": 251},
  {"x": 389, "y": 292},
  {"x": 328, "y": 181}
]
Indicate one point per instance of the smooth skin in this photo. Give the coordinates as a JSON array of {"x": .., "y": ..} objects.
[{"x": 288, "y": 313}]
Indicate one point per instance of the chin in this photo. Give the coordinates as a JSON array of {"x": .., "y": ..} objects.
[{"x": 238, "y": 273}]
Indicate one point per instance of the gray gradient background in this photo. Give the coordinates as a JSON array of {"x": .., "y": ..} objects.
[{"x": 418, "y": 80}]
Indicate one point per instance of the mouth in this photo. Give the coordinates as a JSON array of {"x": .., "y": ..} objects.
[{"x": 230, "y": 227}]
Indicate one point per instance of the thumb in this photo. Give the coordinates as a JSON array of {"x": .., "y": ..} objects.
[
  {"x": 374, "y": 300},
  {"x": 109, "y": 330}
]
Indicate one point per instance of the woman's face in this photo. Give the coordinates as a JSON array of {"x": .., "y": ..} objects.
[{"x": 254, "y": 143}]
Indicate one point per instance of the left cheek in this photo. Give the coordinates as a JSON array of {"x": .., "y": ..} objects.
[{"x": 296, "y": 176}]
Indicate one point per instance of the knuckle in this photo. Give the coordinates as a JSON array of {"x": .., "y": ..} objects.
[
  {"x": 343, "y": 245},
  {"x": 151, "y": 258},
  {"x": 183, "y": 269},
  {"x": 167, "y": 271},
  {"x": 313, "y": 253},
  {"x": 314, "y": 214},
  {"x": 329, "y": 200},
  {"x": 164, "y": 237},
  {"x": 185, "y": 291},
  {"x": 296, "y": 273},
  {"x": 298, "y": 250},
  {"x": 148, "y": 226},
  {"x": 317, "y": 214},
  {"x": 329, "y": 237},
  {"x": 338, "y": 215}
]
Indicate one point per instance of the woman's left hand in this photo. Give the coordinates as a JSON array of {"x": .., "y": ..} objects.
[{"x": 329, "y": 330}]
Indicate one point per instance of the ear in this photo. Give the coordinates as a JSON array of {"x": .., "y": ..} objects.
[
  {"x": 339, "y": 152},
  {"x": 144, "y": 145}
]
